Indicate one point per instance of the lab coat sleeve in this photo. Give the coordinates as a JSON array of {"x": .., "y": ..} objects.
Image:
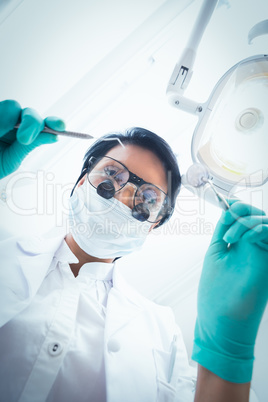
[{"x": 21, "y": 274}]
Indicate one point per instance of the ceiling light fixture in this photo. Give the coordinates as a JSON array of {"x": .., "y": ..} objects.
[{"x": 231, "y": 136}]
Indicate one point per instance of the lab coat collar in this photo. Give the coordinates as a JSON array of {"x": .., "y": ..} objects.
[
  {"x": 36, "y": 259},
  {"x": 127, "y": 290},
  {"x": 124, "y": 302},
  {"x": 47, "y": 244},
  {"x": 65, "y": 254},
  {"x": 97, "y": 270}
]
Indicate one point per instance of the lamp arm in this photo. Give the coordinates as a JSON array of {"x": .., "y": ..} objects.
[{"x": 183, "y": 69}]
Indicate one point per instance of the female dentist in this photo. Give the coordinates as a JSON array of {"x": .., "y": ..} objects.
[{"x": 72, "y": 328}]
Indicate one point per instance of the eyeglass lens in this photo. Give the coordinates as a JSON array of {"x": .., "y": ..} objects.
[{"x": 109, "y": 169}]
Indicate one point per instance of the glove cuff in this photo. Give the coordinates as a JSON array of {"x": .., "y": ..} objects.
[{"x": 226, "y": 367}]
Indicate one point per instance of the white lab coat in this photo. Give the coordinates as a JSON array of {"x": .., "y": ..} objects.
[{"x": 138, "y": 333}]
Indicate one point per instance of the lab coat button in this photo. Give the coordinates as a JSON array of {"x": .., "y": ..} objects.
[
  {"x": 54, "y": 348},
  {"x": 113, "y": 345}
]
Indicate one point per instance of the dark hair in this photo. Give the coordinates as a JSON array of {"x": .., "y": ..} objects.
[{"x": 145, "y": 139}]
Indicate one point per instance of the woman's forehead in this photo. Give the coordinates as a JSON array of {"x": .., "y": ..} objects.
[{"x": 143, "y": 162}]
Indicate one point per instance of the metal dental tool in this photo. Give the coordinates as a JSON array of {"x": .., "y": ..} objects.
[
  {"x": 65, "y": 133},
  {"x": 7, "y": 139},
  {"x": 197, "y": 175}
]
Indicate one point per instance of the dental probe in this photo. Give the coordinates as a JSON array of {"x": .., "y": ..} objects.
[
  {"x": 223, "y": 203},
  {"x": 197, "y": 175},
  {"x": 65, "y": 133}
]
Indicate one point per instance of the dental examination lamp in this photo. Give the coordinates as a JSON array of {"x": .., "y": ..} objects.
[{"x": 230, "y": 142}]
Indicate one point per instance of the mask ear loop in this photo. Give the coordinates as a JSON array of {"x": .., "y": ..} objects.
[
  {"x": 82, "y": 174},
  {"x": 84, "y": 171}
]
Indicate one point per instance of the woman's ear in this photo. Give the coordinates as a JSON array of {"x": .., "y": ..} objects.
[{"x": 81, "y": 181}]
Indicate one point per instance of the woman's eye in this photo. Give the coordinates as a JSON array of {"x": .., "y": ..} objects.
[
  {"x": 149, "y": 196},
  {"x": 110, "y": 171},
  {"x": 116, "y": 174},
  {"x": 119, "y": 178}
]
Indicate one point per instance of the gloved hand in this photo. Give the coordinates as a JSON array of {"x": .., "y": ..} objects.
[
  {"x": 14, "y": 146},
  {"x": 232, "y": 294}
]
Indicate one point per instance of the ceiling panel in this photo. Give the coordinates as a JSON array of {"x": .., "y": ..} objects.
[{"x": 48, "y": 46}]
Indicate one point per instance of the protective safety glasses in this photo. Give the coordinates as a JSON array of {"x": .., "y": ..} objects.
[{"x": 110, "y": 176}]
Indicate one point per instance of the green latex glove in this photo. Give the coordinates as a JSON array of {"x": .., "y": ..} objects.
[
  {"x": 232, "y": 294},
  {"x": 15, "y": 146}
]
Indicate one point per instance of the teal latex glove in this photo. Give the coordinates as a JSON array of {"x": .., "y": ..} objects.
[
  {"x": 15, "y": 146},
  {"x": 232, "y": 294}
]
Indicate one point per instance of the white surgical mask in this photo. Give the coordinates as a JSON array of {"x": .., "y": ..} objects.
[{"x": 104, "y": 228}]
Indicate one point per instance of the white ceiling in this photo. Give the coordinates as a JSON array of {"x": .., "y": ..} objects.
[{"x": 104, "y": 65}]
